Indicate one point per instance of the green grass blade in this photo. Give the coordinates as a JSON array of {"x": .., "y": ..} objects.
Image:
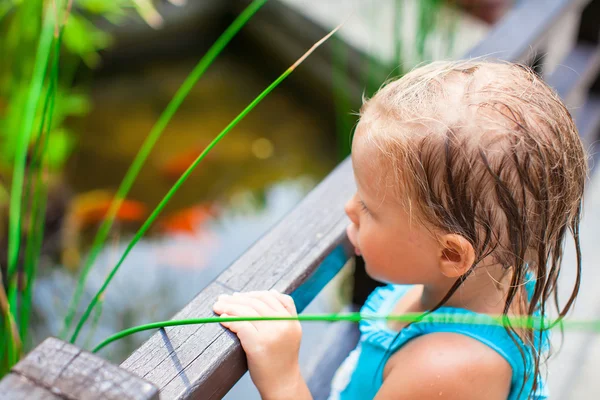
[
  {"x": 145, "y": 150},
  {"x": 94, "y": 326},
  {"x": 35, "y": 89},
  {"x": 518, "y": 322},
  {"x": 38, "y": 210},
  {"x": 10, "y": 347},
  {"x": 184, "y": 177}
]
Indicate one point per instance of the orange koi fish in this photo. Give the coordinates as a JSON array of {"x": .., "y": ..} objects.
[
  {"x": 90, "y": 208},
  {"x": 187, "y": 220}
]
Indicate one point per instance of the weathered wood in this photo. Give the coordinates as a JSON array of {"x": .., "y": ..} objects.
[
  {"x": 577, "y": 71},
  {"x": 309, "y": 246},
  {"x": 60, "y": 370},
  {"x": 519, "y": 34},
  {"x": 15, "y": 386}
]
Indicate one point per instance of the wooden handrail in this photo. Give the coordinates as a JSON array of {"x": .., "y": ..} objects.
[
  {"x": 298, "y": 256},
  {"x": 524, "y": 30}
]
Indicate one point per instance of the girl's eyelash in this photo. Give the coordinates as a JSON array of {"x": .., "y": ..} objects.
[{"x": 363, "y": 206}]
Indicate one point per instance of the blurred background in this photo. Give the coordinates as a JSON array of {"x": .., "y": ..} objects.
[{"x": 122, "y": 61}]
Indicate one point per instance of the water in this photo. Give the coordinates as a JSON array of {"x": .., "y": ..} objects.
[{"x": 253, "y": 178}]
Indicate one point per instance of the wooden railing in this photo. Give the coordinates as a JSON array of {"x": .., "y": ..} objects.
[{"x": 301, "y": 254}]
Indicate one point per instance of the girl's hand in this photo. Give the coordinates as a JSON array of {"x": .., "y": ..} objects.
[{"x": 271, "y": 346}]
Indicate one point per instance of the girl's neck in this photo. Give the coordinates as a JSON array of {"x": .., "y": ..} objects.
[{"x": 482, "y": 293}]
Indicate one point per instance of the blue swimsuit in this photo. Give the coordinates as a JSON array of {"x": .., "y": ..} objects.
[{"x": 361, "y": 374}]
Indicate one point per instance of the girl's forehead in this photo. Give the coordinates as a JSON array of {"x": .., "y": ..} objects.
[
  {"x": 364, "y": 155},
  {"x": 369, "y": 170}
]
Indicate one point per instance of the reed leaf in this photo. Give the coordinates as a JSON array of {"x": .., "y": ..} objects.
[
  {"x": 38, "y": 209},
  {"x": 24, "y": 135},
  {"x": 518, "y": 322}
]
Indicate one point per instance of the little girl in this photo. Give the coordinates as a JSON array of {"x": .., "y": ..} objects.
[{"x": 469, "y": 175}]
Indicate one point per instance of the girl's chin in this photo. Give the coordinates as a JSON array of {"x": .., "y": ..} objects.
[{"x": 382, "y": 277}]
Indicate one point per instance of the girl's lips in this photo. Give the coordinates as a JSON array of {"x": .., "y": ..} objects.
[{"x": 351, "y": 232}]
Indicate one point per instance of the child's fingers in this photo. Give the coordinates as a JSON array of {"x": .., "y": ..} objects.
[
  {"x": 286, "y": 301},
  {"x": 262, "y": 308},
  {"x": 270, "y": 299},
  {"x": 240, "y": 328},
  {"x": 234, "y": 309}
]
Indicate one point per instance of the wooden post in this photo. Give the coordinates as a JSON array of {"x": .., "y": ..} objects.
[{"x": 56, "y": 370}]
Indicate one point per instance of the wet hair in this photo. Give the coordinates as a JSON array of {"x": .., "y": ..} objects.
[{"x": 488, "y": 151}]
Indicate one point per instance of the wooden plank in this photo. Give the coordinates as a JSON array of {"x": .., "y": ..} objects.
[
  {"x": 70, "y": 373},
  {"x": 205, "y": 361},
  {"x": 518, "y": 35},
  {"x": 588, "y": 119},
  {"x": 577, "y": 71},
  {"x": 17, "y": 387}
]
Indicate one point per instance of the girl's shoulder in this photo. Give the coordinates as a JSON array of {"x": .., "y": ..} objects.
[
  {"x": 441, "y": 362},
  {"x": 448, "y": 330}
]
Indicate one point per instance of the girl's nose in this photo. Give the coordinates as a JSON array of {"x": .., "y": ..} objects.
[{"x": 350, "y": 209}]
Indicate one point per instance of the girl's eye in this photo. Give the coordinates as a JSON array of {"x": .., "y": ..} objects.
[{"x": 363, "y": 206}]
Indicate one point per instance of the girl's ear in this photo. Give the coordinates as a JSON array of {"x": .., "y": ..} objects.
[{"x": 457, "y": 255}]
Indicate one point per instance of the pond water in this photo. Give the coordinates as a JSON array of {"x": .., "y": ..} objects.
[{"x": 249, "y": 182}]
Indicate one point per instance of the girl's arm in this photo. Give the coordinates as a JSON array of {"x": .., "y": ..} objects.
[
  {"x": 446, "y": 366},
  {"x": 271, "y": 346}
]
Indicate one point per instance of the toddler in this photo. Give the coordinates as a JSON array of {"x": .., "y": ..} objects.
[{"x": 469, "y": 176}]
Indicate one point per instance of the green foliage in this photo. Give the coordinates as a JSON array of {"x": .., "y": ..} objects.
[
  {"x": 35, "y": 102},
  {"x": 20, "y": 30}
]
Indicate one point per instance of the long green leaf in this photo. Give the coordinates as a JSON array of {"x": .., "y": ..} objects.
[
  {"x": 184, "y": 177},
  {"x": 35, "y": 89},
  {"x": 522, "y": 322},
  {"x": 145, "y": 150},
  {"x": 38, "y": 209}
]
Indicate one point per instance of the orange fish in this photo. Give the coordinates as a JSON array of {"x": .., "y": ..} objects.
[
  {"x": 90, "y": 208},
  {"x": 187, "y": 220}
]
